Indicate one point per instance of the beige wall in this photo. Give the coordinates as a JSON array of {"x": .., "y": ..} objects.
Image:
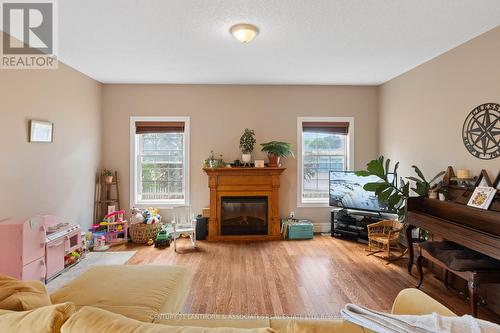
[
  {"x": 423, "y": 110},
  {"x": 56, "y": 178},
  {"x": 220, "y": 113}
]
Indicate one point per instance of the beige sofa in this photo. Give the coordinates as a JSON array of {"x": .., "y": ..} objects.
[
  {"x": 91, "y": 319},
  {"x": 147, "y": 299}
]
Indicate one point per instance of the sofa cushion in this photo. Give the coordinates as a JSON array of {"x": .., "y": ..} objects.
[
  {"x": 135, "y": 291},
  {"x": 91, "y": 320},
  {"x": 17, "y": 295},
  {"x": 460, "y": 258},
  {"x": 302, "y": 325},
  {"x": 47, "y": 319}
]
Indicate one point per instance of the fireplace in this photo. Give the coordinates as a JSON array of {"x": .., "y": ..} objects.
[
  {"x": 244, "y": 203},
  {"x": 243, "y": 216}
]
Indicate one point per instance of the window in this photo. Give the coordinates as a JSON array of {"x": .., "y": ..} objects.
[
  {"x": 160, "y": 150},
  {"x": 324, "y": 145}
]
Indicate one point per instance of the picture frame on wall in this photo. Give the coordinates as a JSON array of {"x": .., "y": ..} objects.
[{"x": 41, "y": 131}]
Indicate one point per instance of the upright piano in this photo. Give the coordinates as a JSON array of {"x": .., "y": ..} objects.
[{"x": 474, "y": 228}]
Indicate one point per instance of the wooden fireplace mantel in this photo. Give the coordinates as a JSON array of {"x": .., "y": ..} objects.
[{"x": 241, "y": 181}]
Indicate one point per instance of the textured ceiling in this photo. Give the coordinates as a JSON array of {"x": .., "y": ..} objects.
[{"x": 358, "y": 42}]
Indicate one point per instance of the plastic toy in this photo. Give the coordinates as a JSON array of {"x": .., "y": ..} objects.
[
  {"x": 100, "y": 244},
  {"x": 118, "y": 214},
  {"x": 163, "y": 239},
  {"x": 150, "y": 241}
]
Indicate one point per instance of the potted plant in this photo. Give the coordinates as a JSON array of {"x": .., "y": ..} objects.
[
  {"x": 423, "y": 187},
  {"x": 212, "y": 162},
  {"x": 247, "y": 142},
  {"x": 108, "y": 176},
  {"x": 395, "y": 192},
  {"x": 276, "y": 150}
]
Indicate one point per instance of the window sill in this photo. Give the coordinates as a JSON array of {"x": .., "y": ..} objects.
[
  {"x": 313, "y": 205},
  {"x": 160, "y": 204}
]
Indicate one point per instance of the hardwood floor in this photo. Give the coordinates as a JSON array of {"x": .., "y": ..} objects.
[{"x": 315, "y": 277}]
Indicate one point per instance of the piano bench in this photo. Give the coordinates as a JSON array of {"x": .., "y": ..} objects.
[{"x": 472, "y": 266}]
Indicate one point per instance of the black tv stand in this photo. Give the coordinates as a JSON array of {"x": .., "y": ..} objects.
[{"x": 352, "y": 224}]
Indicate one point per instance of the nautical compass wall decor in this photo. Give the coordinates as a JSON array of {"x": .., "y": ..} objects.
[{"x": 481, "y": 131}]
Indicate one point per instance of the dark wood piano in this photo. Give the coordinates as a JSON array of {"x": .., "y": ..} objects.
[{"x": 477, "y": 229}]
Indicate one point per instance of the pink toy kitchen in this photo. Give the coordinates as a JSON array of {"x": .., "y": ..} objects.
[{"x": 38, "y": 248}]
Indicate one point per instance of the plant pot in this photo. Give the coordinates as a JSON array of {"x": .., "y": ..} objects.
[
  {"x": 433, "y": 194},
  {"x": 274, "y": 161},
  {"x": 442, "y": 197},
  {"x": 108, "y": 179},
  {"x": 246, "y": 158}
]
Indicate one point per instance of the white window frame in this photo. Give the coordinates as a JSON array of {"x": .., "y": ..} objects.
[
  {"x": 134, "y": 181},
  {"x": 300, "y": 171}
]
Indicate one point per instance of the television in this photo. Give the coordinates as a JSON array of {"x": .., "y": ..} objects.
[{"x": 346, "y": 191}]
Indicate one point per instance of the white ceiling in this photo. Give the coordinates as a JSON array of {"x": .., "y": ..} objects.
[{"x": 358, "y": 42}]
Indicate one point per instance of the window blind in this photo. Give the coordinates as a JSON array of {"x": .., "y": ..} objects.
[
  {"x": 326, "y": 127},
  {"x": 146, "y": 127}
]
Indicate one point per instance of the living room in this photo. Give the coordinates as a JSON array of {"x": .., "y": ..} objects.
[{"x": 144, "y": 120}]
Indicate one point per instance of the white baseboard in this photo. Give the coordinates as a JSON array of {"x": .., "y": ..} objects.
[{"x": 322, "y": 227}]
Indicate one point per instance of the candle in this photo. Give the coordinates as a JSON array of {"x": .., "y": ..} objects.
[{"x": 463, "y": 174}]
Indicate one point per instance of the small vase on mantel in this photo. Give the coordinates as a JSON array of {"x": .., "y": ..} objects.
[{"x": 246, "y": 158}]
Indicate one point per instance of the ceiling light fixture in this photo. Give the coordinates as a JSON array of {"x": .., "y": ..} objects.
[{"x": 244, "y": 32}]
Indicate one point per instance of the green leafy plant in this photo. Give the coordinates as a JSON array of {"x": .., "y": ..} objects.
[
  {"x": 393, "y": 192},
  {"x": 396, "y": 192},
  {"x": 278, "y": 149},
  {"x": 422, "y": 186},
  {"x": 107, "y": 173},
  {"x": 247, "y": 141}
]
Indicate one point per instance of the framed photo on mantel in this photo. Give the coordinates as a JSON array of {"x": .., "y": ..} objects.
[{"x": 41, "y": 131}]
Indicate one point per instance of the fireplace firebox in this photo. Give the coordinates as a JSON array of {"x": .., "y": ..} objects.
[{"x": 243, "y": 216}]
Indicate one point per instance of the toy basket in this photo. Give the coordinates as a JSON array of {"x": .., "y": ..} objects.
[{"x": 140, "y": 232}]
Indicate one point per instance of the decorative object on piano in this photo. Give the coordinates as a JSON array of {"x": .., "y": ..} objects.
[
  {"x": 496, "y": 183},
  {"x": 108, "y": 176},
  {"x": 442, "y": 191},
  {"x": 259, "y": 163},
  {"x": 460, "y": 190},
  {"x": 482, "y": 197},
  {"x": 247, "y": 142},
  {"x": 276, "y": 150},
  {"x": 483, "y": 180},
  {"x": 480, "y": 132},
  {"x": 463, "y": 174},
  {"x": 41, "y": 131}
]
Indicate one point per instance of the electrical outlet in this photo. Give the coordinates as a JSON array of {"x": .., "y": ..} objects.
[{"x": 292, "y": 214}]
